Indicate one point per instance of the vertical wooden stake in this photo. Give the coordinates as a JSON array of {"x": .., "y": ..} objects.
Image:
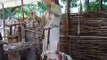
[
  {"x": 3, "y": 21},
  {"x": 22, "y": 9},
  {"x": 67, "y": 25}
]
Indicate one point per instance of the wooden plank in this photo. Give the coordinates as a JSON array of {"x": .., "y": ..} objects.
[
  {"x": 67, "y": 23},
  {"x": 19, "y": 23},
  {"x": 84, "y": 36}
]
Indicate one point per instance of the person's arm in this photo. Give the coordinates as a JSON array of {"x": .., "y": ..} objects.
[
  {"x": 37, "y": 18},
  {"x": 40, "y": 20}
]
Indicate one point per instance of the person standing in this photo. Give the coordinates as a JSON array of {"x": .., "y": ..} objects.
[
  {"x": 52, "y": 19},
  {"x": 50, "y": 22}
]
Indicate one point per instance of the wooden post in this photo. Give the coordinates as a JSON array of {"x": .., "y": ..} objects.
[
  {"x": 23, "y": 15},
  {"x": 67, "y": 25},
  {"x": 22, "y": 9},
  {"x": 78, "y": 32},
  {"x": 3, "y": 21},
  {"x": 19, "y": 34}
]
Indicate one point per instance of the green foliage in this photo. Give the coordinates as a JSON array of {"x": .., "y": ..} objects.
[
  {"x": 105, "y": 0},
  {"x": 39, "y": 8},
  {"x": 94, "y": 6},
  {"x": 74, "y": 3},
  {"x": 105, "y": 4},
  {"x": 16, "y": 12},
  {"x": 8, "y": 12}
]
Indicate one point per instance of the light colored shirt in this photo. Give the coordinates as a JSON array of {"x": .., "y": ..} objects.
[
  {"x": 55, "y": 9},
  {"x": 55, "y": 14}
]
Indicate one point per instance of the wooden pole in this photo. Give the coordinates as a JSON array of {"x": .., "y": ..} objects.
[
  {"x": 67, "y": 25},
  {"x": 22, "y": 9},
  {"x": 23, "y": 15},
  {"x": 3, "y": 21}
]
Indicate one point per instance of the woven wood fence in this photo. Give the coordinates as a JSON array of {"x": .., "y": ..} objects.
[{"x": 87, "y": 34}]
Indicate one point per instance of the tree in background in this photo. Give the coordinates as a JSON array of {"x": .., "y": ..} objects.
[
  {"x": 105, "y": 4},
  {"x": 94, "y": 5},
  {"x": 8, "y": 12},
  {"x": 87, "y": 7},
  {"x": 40, "y": 7},
  {"x": 100, "y": 5},
  {"x": 16, "y": 12}
]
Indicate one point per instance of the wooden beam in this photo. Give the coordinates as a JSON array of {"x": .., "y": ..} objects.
[
  {"x": 70, "y": 36},
  {"x": 22, "y": 9},
  {"x": 67, "y": 25},
  {"x": 3, "y": 21}
]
